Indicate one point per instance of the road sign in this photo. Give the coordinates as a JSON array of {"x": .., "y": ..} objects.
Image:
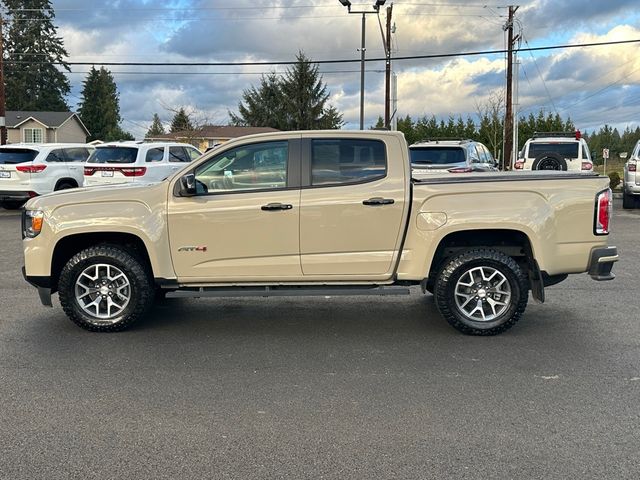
[{"x": 605, "y": 153}]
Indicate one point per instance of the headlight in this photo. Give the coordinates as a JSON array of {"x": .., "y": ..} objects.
[{"x": 32, "y": 221}]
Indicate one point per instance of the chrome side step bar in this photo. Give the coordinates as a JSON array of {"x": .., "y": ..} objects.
[{"x": 289, "y": 291}]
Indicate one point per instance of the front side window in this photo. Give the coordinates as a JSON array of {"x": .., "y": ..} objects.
[
  {"x": 33, "y": 135},
  {"x": 113, "y": 155},
  {"x": 343, "y": 161},
  {"x": 193, "y": 153},
  {"x": 258, "y": 166},
  {"x": 177, "y": 154}
]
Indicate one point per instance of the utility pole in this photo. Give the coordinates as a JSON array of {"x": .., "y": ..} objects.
[
  {"x": 508, "y": 116},
  {"x": 387, "y": 74},
  {"x": 362, "y": 50},
  {"x": 3, "y": 122}
]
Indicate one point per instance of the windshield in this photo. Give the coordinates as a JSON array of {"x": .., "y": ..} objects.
[
  {"x": 11, "y": 156},
  {"x": 113, "y": 155},
  {"x": 566, "y": 149},
  {"x": 436, "y": 156}
]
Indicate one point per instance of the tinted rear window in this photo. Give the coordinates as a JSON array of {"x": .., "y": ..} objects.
[
  {"x": 567, "y": 150},
  {"x": 436, "y": 155},
  {"x": 11, "y": 156},
  {"x": 113, "y": 155}
]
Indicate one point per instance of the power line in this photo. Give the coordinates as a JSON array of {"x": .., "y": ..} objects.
[{"x": 350, "y": 60}]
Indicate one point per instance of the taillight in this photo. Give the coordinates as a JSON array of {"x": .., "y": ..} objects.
[
  {"x": 88, "y": 171},
  {"x": 30, "y": 168},
  {"x": 632, "y": 167},
  {"x": 587, "y": 166},
  {"x": 604, "y": 208},
  {"x": 133, "y": 171},
  {"x": 460, "y": 170},
  {"x": 518, "y": 165}
]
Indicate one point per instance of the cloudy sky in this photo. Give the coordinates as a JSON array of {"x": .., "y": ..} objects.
[{"x": 593, "y": 86}]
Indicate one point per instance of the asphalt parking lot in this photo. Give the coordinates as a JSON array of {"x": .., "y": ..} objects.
[{"x": 361, "y": 387}]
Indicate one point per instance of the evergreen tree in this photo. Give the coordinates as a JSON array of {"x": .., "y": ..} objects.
[
  {"x": 31, "y": 48},
  {"x": 156, "y": 127},
  {"x": 99, "y": 108},
  {"x": 181, "y": 122},
  {"x": 296, "y": 102}
]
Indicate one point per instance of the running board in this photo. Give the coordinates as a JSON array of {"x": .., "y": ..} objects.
[{"x": 288, "y": 291}]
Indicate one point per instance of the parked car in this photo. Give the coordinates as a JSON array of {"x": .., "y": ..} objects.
[
  {"x": 28, "y": 170},
  {"x": 555, "y": 151},
  {"x": 127, "y": 162},
  {"x": 318, "y": 213},
  {"x": 451, "y": 155},
  {"x": 631, "y": 180}
]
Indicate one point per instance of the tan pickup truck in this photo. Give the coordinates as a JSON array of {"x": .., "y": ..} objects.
[{"x": 318, "y": 213}]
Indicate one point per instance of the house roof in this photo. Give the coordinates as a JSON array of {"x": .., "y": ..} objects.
[
  {"x": 217, "y": 131},
  {"x": 48, "y": 119}
]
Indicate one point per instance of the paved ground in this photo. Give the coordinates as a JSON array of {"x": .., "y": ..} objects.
[{"x": 315, "y": 388}]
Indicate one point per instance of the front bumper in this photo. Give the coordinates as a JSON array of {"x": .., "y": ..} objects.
[
  {"x": 601, "y": 263},
  {"x": 43, "y": 284}
]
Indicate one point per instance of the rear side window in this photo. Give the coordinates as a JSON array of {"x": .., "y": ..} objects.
[
  {"x": 436, "y": 155},
  {"x": 155, "y": 154},
  {"x": 55, "y": 156},
  {"x": 177, "y": 154},
  {"x": 343, "y": 161},
  {"x": 76, "y": 154},
  {"x": 566, "y": 149},
  {"x": 113, "y": 155},
  {"x": 11, "y": 156}
]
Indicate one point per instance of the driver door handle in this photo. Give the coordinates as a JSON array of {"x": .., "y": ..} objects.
[
  {"x": 378, "y": 201},
  {"x": 277, "y": 206}
]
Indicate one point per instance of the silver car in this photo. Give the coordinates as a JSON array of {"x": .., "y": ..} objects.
[
  {"x": 454, "y": 156},
  {"x": 631, "y": 183}
]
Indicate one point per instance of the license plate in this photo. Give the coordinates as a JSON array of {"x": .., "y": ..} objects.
[
  {"x": 5, "y": 174},
  {"x": 107, "y": 174}
]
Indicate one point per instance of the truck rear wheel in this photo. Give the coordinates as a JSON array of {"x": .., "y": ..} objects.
[
  {"x": 105, "y": 289},
  {"x": 481, "y": 292}
]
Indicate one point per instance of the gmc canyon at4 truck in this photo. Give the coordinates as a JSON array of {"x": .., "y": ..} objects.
[{"x": 318, "y": 213}]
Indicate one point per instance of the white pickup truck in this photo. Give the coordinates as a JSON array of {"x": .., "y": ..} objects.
[{"x": 318, "y": 213}]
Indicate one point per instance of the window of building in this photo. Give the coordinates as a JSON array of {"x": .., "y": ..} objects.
[{"x": 33, "y": 135}]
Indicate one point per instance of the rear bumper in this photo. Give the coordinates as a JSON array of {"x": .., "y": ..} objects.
[
  {"x": 631, "y": 188},
  {"x": 43, "y": 284},
  {"x": 601, "y": 263},
  {"x": 16, "y": 195}
]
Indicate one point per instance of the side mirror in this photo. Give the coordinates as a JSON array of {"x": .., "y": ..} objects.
[{"x": 188, "y": 185}]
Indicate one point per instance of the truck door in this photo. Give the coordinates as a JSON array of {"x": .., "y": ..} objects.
[
  {"x": 352, "y": 207},
  {"x": 242, "y": 225}
]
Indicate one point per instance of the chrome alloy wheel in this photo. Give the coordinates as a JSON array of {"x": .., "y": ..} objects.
[
  {"x": 482, "y": 294},
  {"x": 103, "y": 291}
]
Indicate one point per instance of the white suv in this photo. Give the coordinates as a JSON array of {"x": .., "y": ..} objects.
[
  {"x": 125, "y": 162},
  {"x": 28, "y": 170},
  {"x": 555, "y": 151},
  {"x": 631, "y": 180}
]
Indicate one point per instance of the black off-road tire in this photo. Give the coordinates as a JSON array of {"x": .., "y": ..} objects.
[
  {"x": 545, "y": 160},
  {"x": 142, "y": 287},
  {"x": 456, "y": 266}
]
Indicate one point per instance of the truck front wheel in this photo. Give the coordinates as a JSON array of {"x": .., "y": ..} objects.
[
  {"x": 481, "y": 292},
  {"x": 105, "y": 289}
]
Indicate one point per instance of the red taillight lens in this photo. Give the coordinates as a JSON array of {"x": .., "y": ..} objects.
[
  {"x": 604, "y": 208},
  {"x": 460, "y": 170},
  {"x": 88, "y": 171},
  {"x": 30, "y": 168},
  {"x": 587, "y": 166},
  {"x": 133, "y": 171},
  {"x": 518, "y": 165},
  {"x": 632, "y": 167}
]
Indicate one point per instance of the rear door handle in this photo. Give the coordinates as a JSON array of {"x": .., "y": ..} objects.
[
  {"x": 277, "y": 206},
  {"x": 378, "y": 201}
]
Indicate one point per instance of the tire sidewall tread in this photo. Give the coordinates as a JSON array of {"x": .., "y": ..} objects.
[{"x": 142, "y": 287}]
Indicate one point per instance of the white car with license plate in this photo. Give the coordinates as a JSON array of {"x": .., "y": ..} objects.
[
  {"x": 129, "y": 162},
  {"x": 28, "y": 170}
]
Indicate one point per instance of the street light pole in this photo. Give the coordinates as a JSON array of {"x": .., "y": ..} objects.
[{"x": 376, "y": 10}]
